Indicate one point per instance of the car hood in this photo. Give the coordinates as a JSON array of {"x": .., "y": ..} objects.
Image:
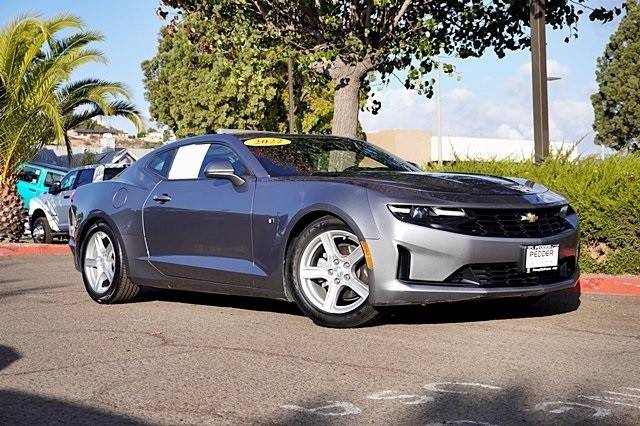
[{"x": 453, "y": 183}]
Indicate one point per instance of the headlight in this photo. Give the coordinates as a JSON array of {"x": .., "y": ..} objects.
[
  {"x": 567, "y": 210},
  {"x": 435, "y": 217}
]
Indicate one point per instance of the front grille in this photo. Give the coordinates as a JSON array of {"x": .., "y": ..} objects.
[
  {"x": 510, "y": 275},
  {"x": 509, "y": 223}
]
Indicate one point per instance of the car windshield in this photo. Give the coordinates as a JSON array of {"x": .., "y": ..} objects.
[{"x": 310, "y": 156}]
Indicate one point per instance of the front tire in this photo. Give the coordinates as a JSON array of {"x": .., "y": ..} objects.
[
  {"x": 41, "y": 231},
  {"x": 104, "y": 267},
  {"x": 329, "y": 276}
]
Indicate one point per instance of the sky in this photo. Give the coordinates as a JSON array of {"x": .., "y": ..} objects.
[{"x": 487, "y": 97}]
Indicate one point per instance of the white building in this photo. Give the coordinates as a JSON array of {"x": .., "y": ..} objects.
[
  {"x": 488, "y": 149},
  {"x": 421, "y": 147}
]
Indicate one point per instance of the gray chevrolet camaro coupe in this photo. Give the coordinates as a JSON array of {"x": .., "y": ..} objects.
[{"x": 337, "y": 225}]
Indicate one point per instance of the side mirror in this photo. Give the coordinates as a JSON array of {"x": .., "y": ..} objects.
[
  {"x": 54, "y": 188},
  {"x": 223, "y": 169}
]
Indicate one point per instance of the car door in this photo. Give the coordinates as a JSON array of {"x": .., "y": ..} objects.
[
  {"x": 59, "y": 203},
  {"x": 197, "y": 227},
  {"x": 63, "y": 200}
]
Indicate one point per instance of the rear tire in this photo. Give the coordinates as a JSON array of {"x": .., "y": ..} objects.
[
  {"x": 104, "y": 267},
  {"x": 41, "y": 231},
  {"x": 330, "y": 286}
]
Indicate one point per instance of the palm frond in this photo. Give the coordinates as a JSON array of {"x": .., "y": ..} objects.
[
  {"x": 118, "y": 108},
  {"x": 37, "y": 104}
]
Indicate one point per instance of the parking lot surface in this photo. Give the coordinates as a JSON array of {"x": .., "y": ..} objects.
[{"x": 175, "y": 357}]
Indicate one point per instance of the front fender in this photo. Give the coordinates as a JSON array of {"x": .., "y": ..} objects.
[{"x": 39, "y": 203}]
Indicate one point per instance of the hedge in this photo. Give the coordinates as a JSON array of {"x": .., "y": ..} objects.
[{"x": 605, "y": 193}]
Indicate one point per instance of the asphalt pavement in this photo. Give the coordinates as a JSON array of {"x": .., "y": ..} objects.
[{"x": 175, "y": 357}]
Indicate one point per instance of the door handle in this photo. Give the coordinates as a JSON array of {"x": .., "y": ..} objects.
[
  {"x": 164, "y": 198},
  {"x": 66, "y": 196},
  {"x": 32, "y": 190}
]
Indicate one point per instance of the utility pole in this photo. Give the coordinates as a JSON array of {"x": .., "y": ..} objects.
[
  {"x": 292, "y": 106},
  {"x": 539, "y": 80}
]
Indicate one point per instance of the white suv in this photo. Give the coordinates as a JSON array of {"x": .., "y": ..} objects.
[{"x": 49, "y": 213}]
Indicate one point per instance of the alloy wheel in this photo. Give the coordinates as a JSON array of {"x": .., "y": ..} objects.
[
  {"x": 333, "y": 272},
  {"x": 100, "y": 262}
]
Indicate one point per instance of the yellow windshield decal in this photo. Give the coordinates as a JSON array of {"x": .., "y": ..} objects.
[{"x": 267, "y": 142}]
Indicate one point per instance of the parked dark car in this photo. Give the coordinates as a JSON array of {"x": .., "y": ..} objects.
[{"x": 337, "y": 225}]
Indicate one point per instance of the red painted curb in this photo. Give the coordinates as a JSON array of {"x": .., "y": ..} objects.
[
  {"x": 623, "y": 285},
  {"x": 28, "y": 249}
]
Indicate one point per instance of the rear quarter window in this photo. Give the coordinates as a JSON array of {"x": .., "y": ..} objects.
[
  {"x": 161, "y": 163},
  {"x": 111, "y": 172}
]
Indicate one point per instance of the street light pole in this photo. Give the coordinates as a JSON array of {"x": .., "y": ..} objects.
[
  {"x": 539, "y": 80},
  {"x": 439, "y": 114},
  {"x": 292, "y": 105}
]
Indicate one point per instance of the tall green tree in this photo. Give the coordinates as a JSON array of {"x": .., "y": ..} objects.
[
  {"x": 37, "y": 105},
  {"x": 229, "y": 82},
  {"x": 352, "y": 38},
  {"x": 616, "y": 104}
]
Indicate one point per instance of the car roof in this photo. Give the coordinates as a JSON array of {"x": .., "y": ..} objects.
[
  {"x": 95, "y": 166},
  {"x": 49, "y": 166},
  {"x": 238, "y": 137}
]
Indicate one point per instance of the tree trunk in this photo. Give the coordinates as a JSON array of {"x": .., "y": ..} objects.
[
  {"x": 347, "y": 81},
  {"x": 12, "y": 215},
  {"x": 346, "y": 108}
]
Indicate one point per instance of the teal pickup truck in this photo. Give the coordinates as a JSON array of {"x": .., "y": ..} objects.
[{"x": 36, "y": 178}]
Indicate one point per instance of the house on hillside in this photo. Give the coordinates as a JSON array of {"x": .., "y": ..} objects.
[{"x": 117, "y": 156}]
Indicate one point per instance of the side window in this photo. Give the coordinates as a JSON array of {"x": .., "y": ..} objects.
[
  {"x": 161, "y": 163},
  {"x": 68, "y": 181},
  {"x": 188, "y": 161},
  {"x": 111, "y": 172},
  {"x": 221, "y": 152},
  {"x": 51, "y": 177},
  {"x": 29, "y": 175},
  {"x": 85, "y": 176}
]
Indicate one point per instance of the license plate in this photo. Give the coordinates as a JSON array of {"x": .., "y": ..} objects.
[{"x": 541, "y": 258}]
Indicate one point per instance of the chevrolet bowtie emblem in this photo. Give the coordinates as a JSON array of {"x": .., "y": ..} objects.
[{"x": 529, "y": 217}]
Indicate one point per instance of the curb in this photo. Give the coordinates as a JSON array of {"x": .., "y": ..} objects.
[
  {"x": 29, "y": 249},
  {"x": 619, "y": 285}
]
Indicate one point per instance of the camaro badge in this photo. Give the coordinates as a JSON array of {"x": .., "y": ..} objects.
[{"x": 529, "y": 217}]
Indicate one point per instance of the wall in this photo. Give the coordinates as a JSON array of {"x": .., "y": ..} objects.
[
  {"x": 420, "y": 146},
  {"x": 410, "y": 145}
]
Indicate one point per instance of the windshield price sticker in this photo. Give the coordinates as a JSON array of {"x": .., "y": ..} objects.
[
  {"x": 542, "y": 257},
  {"x": 267, "y": 142}
]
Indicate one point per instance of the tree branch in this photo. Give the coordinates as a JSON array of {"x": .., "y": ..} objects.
[{"x": 400, "y": 14}]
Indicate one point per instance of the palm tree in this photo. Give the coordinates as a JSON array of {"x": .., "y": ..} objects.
[
  {"x": 86, "y": 99},
  {"x": 37, "y": 105}
]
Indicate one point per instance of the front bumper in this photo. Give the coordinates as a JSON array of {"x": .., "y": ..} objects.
[{"x": 434, "y": 256}]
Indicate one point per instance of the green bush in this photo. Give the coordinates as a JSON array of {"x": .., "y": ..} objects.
[{"x": 606, "y": 194}]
